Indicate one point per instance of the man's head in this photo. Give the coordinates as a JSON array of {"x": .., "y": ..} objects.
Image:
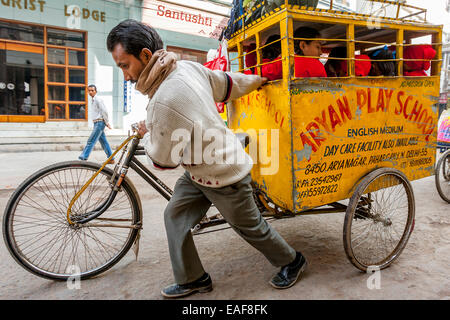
[
  {"x": 92, "y": 90},
  {"x": 132, "y": 45}
]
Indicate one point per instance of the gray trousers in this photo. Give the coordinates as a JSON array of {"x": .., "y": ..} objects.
[{"x": 235, "y": 202}]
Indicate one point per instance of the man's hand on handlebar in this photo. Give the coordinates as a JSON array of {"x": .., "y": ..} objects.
[{"x": 142, "y": 128}]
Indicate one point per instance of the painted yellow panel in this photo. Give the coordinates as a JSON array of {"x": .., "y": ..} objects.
[
  {"x": 329, "y": 133},
  {"x": 344, "y": 129},
  {"x": 265, "y": 115}
]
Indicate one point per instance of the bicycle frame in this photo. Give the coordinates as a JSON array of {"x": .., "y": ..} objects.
[{"x": 121, "y": 169}]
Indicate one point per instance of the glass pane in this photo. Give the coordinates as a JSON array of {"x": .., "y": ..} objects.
[
  {"x": 76, "y": 76},
  {"x": 76, "y": 58},
  {"x": 56, "y": 56},
  {"x": 21, "y": 83},
  {"x": 56, "y": 111},
  {"x": 56, "y": 74},
  {"x": 65, "y": 38},
  {"x": 21, "y": 32},
  {"x": 57, "y": 93},
  {"x": 77, "y": 111},
  {"x": 77, "y": 94}
]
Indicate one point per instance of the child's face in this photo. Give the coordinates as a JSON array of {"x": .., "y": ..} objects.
[{"x": 312, "y": 49}]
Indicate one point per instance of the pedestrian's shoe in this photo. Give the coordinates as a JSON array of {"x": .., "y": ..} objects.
[
  {"x": 204, "y": 284},
  {"x": 79, "y": 158},
  {"x": 289, "y": 274},
  {"x": 112, "y": 161}
]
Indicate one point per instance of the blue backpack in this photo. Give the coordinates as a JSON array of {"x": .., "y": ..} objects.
[{"x": 233, "y": 24}]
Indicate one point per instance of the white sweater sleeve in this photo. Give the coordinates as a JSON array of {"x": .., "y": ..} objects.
[{"x": 231, "y": 85}]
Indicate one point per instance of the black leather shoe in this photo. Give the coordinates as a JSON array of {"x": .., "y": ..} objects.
[
  {"x": 290, "y": 273},
  {"x": 204, "y": 284}
]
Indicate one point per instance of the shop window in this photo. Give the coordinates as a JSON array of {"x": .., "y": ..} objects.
[
  {"x": 56, "y": 111},
  {"x": 65, "y": 38},
  {"x": 189, "y": 54},
  {"x": 76, "y": 76},
  {"x": 77, "y": 111},
  {"x": 21, "y": 82},
  {"x": 56, "y": 74},
  {"x": 77, "y": 93},
  {"x": 56, "y": 93},
  {"x": 21, "y": 32},
  {"x": 76, "y": 58},
  {"x": 42, "y": 76},
  {"x": 56, "y": 56}
]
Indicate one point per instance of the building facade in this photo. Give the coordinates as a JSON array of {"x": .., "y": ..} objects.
[
  {"x": 188, "y": 28},
  {"x": 50, "y": 50}
]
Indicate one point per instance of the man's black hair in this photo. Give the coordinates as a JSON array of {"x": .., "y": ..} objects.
[
  {"x": 92, "y": 86},
  {"x": 134, "y": 36},
  {"x": 304, "y": 32}
]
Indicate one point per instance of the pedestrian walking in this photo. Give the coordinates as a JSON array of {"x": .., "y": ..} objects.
[
  {"x": 100, "y": 116},
  {"x": 183, "y": 93}
]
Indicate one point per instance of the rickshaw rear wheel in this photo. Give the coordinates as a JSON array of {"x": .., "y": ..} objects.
[
  {"x": 442, "y": 176},
  {"x": 379, "y": 219}
]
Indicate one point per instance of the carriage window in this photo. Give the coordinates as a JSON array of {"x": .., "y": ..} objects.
[
  {"x": 377, "y": 49},
  {"x": 420, "y": 57},
  {"x": 326, "y": 50},
  {"x": 250, "y": 55},
  {"x": 320, "y": 50}
]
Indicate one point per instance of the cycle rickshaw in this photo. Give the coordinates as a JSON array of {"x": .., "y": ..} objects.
[{"x": 350, "y": 144}]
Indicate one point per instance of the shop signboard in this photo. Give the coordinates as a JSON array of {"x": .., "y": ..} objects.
[{"x": 167, "y": 16}]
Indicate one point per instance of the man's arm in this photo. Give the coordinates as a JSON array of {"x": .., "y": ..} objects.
[{"x": 232, "y": 85}]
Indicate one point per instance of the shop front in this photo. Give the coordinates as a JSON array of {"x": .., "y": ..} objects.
[
  {"x": 43, "y": 73},
  {"x": 50, "y": 51}
]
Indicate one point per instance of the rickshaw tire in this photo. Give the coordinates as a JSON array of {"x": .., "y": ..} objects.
[
  {"x": 441, "y": 166},
  {"x": 350, "y": 215}
]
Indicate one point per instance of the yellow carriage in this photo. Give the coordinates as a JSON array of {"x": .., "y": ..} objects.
[{"x": 317, "y": 142}]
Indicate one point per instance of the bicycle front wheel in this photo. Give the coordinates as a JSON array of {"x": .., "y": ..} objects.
[{"x": 39, "y": 237}]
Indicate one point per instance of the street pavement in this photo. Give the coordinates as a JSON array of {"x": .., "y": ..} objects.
[{"x": 238, "y": 270}]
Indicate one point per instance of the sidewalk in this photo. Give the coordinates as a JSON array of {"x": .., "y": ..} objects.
[
  {"x": 20, "y": 165},
  {"x": 58, "y": 143}
]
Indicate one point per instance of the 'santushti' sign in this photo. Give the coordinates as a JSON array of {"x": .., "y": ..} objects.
[{"x": 172, "y": 17}]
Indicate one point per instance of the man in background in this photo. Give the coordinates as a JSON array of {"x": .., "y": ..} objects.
[{"x": 100, "y": 116}]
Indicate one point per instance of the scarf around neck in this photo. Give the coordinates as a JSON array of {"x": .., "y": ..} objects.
[{"x": 161, "y": 64}]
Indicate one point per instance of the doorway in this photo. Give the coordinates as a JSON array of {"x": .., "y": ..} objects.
[{"x": 22, "y": 97}]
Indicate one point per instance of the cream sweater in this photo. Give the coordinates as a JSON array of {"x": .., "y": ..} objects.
[{"x": 185, "y": 127}]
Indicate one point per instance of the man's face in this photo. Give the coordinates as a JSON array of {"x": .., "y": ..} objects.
[
  {"x": 92, "y": 92},
  {"x": 130, "y": 65}
]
